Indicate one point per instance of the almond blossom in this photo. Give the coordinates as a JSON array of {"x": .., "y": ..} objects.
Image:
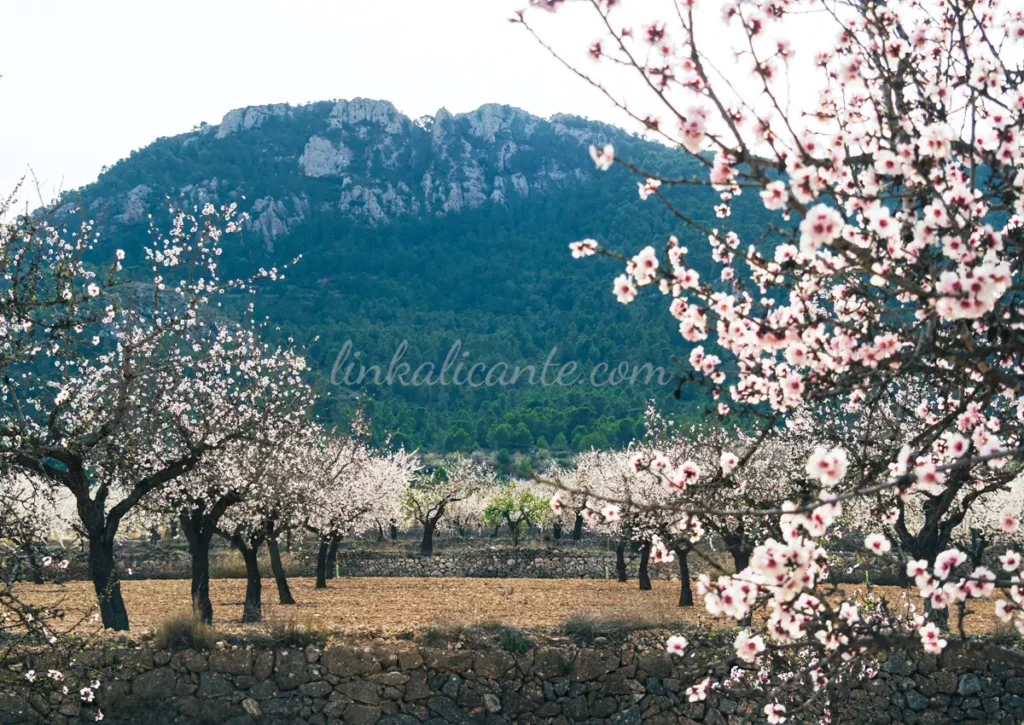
[{"x": 875, "y": 314}]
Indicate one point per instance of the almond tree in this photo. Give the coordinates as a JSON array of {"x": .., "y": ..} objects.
[
  {"x": 349, "y": 484},
  {"x": 247, "y": 471},
  {"x": 133, "y": 394},
  {"x": 891, "y": 262},
  {"x": 46, "y": 297},
  {"x": 467, "y": 513},
  {"x": 573, "y": 502},
  {"x": 432, "y": 492},
  {"x": 603, "y": 481},
  {"x": 517, "y": 503},
  {"x": 279, "y": 509}
]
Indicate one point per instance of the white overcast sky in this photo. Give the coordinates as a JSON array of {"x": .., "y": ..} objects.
[{"x": 86, "y": 82}]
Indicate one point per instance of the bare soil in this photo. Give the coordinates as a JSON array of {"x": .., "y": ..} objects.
[{"x": 389, "y": 606}]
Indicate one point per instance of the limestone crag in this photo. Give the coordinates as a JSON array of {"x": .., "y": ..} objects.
[{"x": 359, "y": 159}]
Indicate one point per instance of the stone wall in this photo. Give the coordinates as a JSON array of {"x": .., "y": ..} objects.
[
  {"x": 567, "y": 563},
  {"x": 470, "y": 558},
  {"x": 473, "y": 558},
  {"x": 400, "y": 683}
]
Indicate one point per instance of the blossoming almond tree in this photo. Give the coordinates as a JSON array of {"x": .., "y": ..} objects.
[
  {"x": 134, "y": 393},
  {"x": 893, "y": 262},
  {"x": 47, "y": 293},
  {"x": 598, "y": 477},
  {"x": 350, "y": 485},
  {"x": 249, "y": 470},
  {"x": 431, "y": 493},
  {"x": 466, "y": 515},
  {"x": 572, "y": 499}
]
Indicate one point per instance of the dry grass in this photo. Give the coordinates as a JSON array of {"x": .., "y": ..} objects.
[
  {"x": 229, "y": 564},
  {"x": 399, "y": 605},
  {"x": 184, "y": 631}
]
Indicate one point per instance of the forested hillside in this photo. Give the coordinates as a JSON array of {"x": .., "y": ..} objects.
[{"x": 443, "y": 229}]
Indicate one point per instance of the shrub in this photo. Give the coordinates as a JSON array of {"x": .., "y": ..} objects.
[
  {"x": 590, "y": 626},
  {"x": 513, "y": 641},
  {"x": 185, "y": 631},
  {"x": 298, "y": 629},
  {"x": 470, "y": 635}
]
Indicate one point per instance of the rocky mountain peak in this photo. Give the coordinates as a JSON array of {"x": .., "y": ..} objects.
[
  {"x": 359, "y": 110},
  {"x": 361, "y": 158}
]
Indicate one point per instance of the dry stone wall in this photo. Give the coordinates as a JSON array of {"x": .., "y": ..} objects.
[
  {"x": 503, "y": 563},
  {"x": 404, "y": 684}
]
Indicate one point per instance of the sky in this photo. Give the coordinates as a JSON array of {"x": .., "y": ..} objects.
[{"x": 82, "y": 84}]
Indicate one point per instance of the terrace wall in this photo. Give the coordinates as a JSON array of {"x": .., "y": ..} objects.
[
  {"x": 405, "y": 684},
  {"x": 563, "y": 563}
]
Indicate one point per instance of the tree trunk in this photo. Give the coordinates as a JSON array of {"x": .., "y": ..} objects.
[
  {"x": 103, "y": 572},
  {"x": 620, "y": 560},
  {"x": 332, "y": 558},
  {"x": 427, "y": 545},
  {"x": 198, "y": 530},
  {"x": 393, "y": 531},
  {"x": 380, "y": 532},
  {"x": 645, "y": 557},
  {"x": 577, "y": 528},
  {"x": 253, "y": 608},
  {"x": 284, "y": 592},
  {"x": 321, "y": 565},
  {"x": 556, "y": 530},
  {"x": 514, "y": 530},
  {"x": 33, "y": 563},
  {"x": 740, "y": 557},
  {"x": 685, "y": 592},
  {"x": 201, "y": 604}
]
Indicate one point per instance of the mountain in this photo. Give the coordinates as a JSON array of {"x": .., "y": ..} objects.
[{"x": 435, "y": 230}]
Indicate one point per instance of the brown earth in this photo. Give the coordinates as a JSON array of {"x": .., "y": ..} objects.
[{"x": 394, "y": 605}]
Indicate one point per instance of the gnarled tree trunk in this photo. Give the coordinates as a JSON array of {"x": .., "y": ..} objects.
[
  {"x": 685, "y": 592},
  {"x": 252, "y": 610},
  {"x": 427, "y": 544},
  {"x": 514, "y": 528},
  {"x": 332, "y": 558},
  {"x": 103, "y": 573},
  {"x": 199, "y": 526},
  {"x": 577, "y": 528},
  {"x": 642, "y": 575},
  {"x": 321, "y": 565},
  {"x": 620, "y": 561},
  {"x": 34, "y": 565},
  {"x": 200, "y": 551},
  {"x": 284, "y": 592},
  {"x": 740, "y": 557},
  {"x": 102, "y": 569}
]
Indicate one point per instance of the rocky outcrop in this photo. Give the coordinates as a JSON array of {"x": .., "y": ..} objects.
[
  {"x": 245, "y": 119},
  {"x": 321, "y": 157},
  {"x": 134, "y": 207},
  {"x": 364, "y": 110},
  {"x": 272, "y": 219},
  {"x": 364, "y": 159}
]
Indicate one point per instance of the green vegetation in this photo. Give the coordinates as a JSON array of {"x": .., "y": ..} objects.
[
  {"x": 498, "y": 280},
  {"x": 516, "y": 507}
]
